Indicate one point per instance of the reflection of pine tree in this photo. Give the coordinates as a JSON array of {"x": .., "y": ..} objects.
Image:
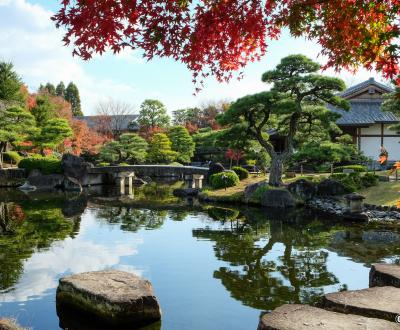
[{"x": 298, "y": 275}]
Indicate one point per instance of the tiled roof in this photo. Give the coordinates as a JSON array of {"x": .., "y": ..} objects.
[
  {"x": 364, "y": 113},
  {"x": 371, "y": 81},
  {"x": 128, "y": 122}
]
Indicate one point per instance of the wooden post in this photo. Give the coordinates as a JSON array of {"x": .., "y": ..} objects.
[
  {"x": 122, "y": 185},
  {"x": 301, "y": 169},
  {"x": 331, "y": 169}
]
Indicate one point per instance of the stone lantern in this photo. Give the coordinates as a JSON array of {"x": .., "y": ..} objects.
[{"x": 354, "y": 202}]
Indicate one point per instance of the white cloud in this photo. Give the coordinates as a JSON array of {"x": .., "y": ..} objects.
[{"x": 30, "y": 40}]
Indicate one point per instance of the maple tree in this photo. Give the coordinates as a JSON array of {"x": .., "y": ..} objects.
[{"x": 220, "y": 37}]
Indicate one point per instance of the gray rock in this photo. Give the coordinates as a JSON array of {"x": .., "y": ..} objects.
[
  {"x": 330, "y": 187},
  {"x": 302, "y": 189},
  {"x": 46, "y": 182},
  {"x": 384, "y": 274},
  {"x": 186, "y": 192},
  {"x": 34, "y": 172},
  {"x": 75, "y": 167},
  {"x": 277, "y": 198},
  {"x": 251, "y": 189},
  {"x": 304, "y": 317},
  {"x": 215, "y": 168},
  {"x": 117, "y": 298},
  {"x": 378, "y": 302},
  {"x": 71, "y": 184}
]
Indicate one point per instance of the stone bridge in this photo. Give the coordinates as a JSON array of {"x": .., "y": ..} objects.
[{"x": 118, "y": 174}]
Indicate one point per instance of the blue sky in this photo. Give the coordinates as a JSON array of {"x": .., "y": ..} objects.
[{"x": 30, "y": 40}]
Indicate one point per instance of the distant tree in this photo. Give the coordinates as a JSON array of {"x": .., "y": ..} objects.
[
  {"x": 10, "y": 84},
  {"x": 296, "y": 102},
  {"x": 72, "y": 96},
  {"x": 60, "y": 89},
  {"x": 50, "y": 88},
  {"x": 16, "y": 125},
  {"x": 153, "y": 113},
  {"x": 113, "y": 117},
  {"x": 182, "y": 143},
  {"x": 160, "y": 150},
  {"x": 130, "y": 147},
  {"x": 53, "y": 133},
  {"x": 43, "y": 110}
]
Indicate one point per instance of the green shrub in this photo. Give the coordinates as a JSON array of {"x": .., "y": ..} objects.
[
  {"x": 260, "y": 191},
  {"x": 101, "y": 164},
  {"x": 46, "y": 165},
  {"x": 224, "y": 180},
  {"x": 369, "y": 180},
  {"x": 123, "y": 164},
  {"x": 356, "y": 168},
  {"x": 12, "y": 157},
  {"x": 241, "y": 172},
  {"x": 354, "y": 181}
]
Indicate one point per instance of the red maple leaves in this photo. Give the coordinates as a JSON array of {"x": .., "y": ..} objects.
[{"x": 220, "y": 37}]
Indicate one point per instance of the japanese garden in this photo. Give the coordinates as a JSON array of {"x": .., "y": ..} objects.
[{"x": 275, "y": 208}]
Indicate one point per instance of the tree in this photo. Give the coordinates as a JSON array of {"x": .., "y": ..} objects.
[
  {"x": 50, "y": 89},
  {"x": 112, "y": 116},
  {"x": 182, "y": 143},
  {"x": 72, "y": 96},
  {"x": 10, "y": 84},
  {"x": 160, "y": 150},
  {"x": 53, "y": 133},
  {"x": 296, "y": 103},
  {"x": 84, "y": 139},
  {"x": 130, "y": 147},
  {"x": 153, "y": 113},
  {"x": 43, "y": 110},
  {"x": 220, "y": 37},
  {"x": 16, "y": 125},
  {"x": 60, "y": 89}
]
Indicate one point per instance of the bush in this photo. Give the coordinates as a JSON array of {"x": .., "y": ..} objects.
[
  {"x": 224, "y": 180},
  {"x": 101, "y": 164},
  {"x": 355, "y": 181},
  {"x": 123, "y": 164},
  {"x": 241, "y": 172},
  {"x": 260, "y": 191},
  {"x": 356, "y": 168},
  {"x": 369, "y": 180},
  {"x": 46, "y": 165},
  {"x": 12, "y": 157}
]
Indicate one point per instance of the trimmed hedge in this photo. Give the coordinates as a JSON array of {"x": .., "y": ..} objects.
[
  {"x": 46, "y": 165},
  {"x": 356, "y": 168},
  {"x": 12, "y": 157},
  {"x": 224, "y": 180},
  {"x": 241, "y": 172},
  {"x": 355, "y": 181}
]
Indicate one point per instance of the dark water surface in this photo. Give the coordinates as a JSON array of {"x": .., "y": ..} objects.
[{"x": 211, "y": 267}]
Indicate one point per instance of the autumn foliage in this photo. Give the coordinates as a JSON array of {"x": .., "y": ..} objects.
[{"x": 220, "y": 37}]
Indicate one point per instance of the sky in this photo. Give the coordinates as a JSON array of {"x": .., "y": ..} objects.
[{"x": 29, "y": 40}]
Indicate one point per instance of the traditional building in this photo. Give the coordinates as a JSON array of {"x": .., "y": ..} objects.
[{"x": 366, "y": 122}]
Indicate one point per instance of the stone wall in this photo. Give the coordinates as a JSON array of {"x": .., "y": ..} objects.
[{"x": 12, "y": 177}]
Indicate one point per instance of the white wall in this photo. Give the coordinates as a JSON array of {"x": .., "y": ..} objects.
[
  {"x": 370, "y": 146},
  {"x": 392, "y": 145},
  {"x": 374, "y": 129}
]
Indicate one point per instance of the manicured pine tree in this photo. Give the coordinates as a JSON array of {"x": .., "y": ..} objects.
[
  {"x": 72, "y": 96},
  {"x": 10, "y": 84},
  {"x": 160, "y": 150},
  {"x": 182, "y": 143}
]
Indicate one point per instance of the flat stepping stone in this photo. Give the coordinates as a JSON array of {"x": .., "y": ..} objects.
[
  {"x": 304, "y": 317},
  {"x": 384, "y": 274},
  {"x": 379, "y": 302},
  {"x": 113, "y": 297}
]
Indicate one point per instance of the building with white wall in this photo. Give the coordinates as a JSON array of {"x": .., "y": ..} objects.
[{"x": 366, "y": 122}]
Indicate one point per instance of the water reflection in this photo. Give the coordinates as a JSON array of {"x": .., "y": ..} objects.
[{"x": 263, "y": 259}]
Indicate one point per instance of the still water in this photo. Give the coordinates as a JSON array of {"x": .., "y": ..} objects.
[{"x": 211, "y": 267}]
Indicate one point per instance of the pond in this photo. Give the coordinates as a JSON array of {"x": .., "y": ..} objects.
[{"x": 212, "y": 267}]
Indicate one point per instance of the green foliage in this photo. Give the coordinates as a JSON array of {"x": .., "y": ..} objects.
[
  {"x": 101, "y": 164},
  {"x": 72, "y": 96},
  {"x": 356, "y": 168},
  {"x": 355, "y": 181},
  {"x": 257, "y": 195},
  {"x": 50, "y": 88},
  {"x": 241, "y": 172},
  {"x": 12, "y": 157},
  {"x": 60, "y": 89},
  {"x": 182, "y": 143},
  {"x": 153, "y": 114},
  {"x": 47, "y": 165},
  {"x": 43, "y": 110},
  {"x": 129, "y": 148},
  {"x": 53, "y": 133},
  {"x": 10, "y": 84},
  {"x": 160, "y": 150},
  {"x": 224, "y": 180},
  {"x": 123, "y": 164}
]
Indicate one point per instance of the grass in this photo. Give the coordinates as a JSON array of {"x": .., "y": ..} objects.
[
  {"x": 233, "y": 194},
  {"x": 386, "y": 193}
]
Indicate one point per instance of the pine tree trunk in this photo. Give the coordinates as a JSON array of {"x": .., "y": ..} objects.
[{"x": 275, "y": 173}]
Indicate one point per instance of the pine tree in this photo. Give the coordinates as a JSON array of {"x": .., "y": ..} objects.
[
  {"x": 72, "y": 96},
  {"x": 60, "y": 89},
  {"x": 10, "y": 84},
  {"x": 182, "y": 143},
  {"x": 50, "y": 88},
  {"x": 160, "y": 150}
]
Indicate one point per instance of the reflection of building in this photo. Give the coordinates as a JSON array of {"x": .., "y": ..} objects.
[
  {"x": 117, "y": 124},
  {"x": 366, "y": 122}
]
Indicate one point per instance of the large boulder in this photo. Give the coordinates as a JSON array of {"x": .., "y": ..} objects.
[
  {"x": 75, "y": 167},
  {"x": 215, "y": 168},
  {"x": 71, "y": 184},
  {"x": 277, "y": 198},
  {"x": 330, "y": 187},
  {"x": 384, "y": 274},
  {"x": 118, "y": 299},
  {"x": 303, "y": 189},
  {"x": 251, "y": 189}
]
